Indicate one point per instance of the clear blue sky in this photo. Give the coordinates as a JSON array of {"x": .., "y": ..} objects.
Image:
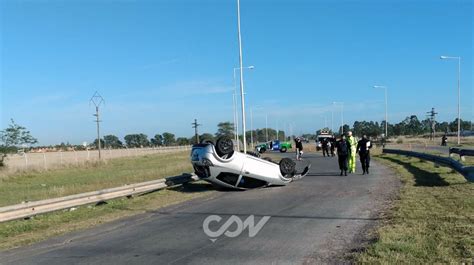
[{"x": 160, "y": 64}]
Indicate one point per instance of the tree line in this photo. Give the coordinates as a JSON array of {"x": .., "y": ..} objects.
[
  {"x": 16, "y": 137},
  {"x": 410, "y": 126}
]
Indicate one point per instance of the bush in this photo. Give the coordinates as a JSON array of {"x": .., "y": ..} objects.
[{"x": 399, "y": 141}]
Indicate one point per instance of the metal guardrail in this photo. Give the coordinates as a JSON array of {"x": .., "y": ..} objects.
[
  {"x": 467, "y": 172},
  {"x": 461, "y": 152},
  {"x": 28, "y": 209}
]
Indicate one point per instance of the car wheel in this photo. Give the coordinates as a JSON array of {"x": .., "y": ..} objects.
[
  {"x": 287, "y": 166},
  {"x": 262, "y": 150},
  {"x": 224, "y": 147},
  {"x": 283, "y": 149}
]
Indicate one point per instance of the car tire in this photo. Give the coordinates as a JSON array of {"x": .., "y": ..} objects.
[
  {"x": 262, "y": 150},
  {"x": 287, "y": 167},
  {"x": 283, "y": 150},
  {"x": 224, "y": 147}
]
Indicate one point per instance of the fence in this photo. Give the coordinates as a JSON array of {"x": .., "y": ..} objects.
[{"x": 46, "y": 160}]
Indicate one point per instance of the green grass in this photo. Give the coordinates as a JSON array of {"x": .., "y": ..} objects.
[
  {"x": 24, "y": 232},
  {"x": 37, "y": 185},
  {"x": 431, "y": 222},
  {"x": 31, "y": 186}
]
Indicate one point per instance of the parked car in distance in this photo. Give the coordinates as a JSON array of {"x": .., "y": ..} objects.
[{"x": 275, "y": 145}]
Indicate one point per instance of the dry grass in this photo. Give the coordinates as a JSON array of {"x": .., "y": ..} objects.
[
  {"x": 452, "y": 141},
  {"x": 38, "y": 185}
]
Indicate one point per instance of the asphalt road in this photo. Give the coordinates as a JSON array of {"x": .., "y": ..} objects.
[{"x": 314, "y": 220}]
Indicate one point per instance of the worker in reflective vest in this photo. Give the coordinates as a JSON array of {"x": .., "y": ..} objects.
[{"x": 351, "y": 140}]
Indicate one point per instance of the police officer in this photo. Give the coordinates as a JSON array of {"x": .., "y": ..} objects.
[
  {"x": 333, "y": 145},
  {"x": 325, "y": 146},
  {"x": 351, "y": 140},
  {"x": 363, "y": 148},
  {"x": 342, "y": 154}
]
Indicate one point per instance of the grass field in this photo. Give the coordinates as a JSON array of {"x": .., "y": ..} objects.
[
  {"x": 31, "y": 186},
  {"x": 452, "y": 140},
  {"x": 24, "y": 232},
  {"x": 37, "y": 185},
  {"x": 431, "y": 222}
]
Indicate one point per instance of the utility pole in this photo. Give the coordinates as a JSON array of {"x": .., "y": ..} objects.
[
  {"x": 195, "y": 126},
  {"x": 97, "y": 100},
  {"x": 432, "y": 117}
]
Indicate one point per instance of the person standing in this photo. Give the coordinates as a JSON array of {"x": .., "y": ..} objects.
[
  {"x": 299, "y": 148},
  {"x": 342, "y": 154},
  {"x": 363, "y": 148},
  {"x": 444, "y": 140},
  {"x": 325, "y": 147},
  {"x": 351, "y": 140},
  {"x": 333, "y": 146}
]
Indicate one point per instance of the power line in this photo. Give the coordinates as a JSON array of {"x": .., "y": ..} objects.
[
  {"x": 97, "y": 100},
  {"x": 432, "y": 117},
  {"x": 195, "y": 126}
]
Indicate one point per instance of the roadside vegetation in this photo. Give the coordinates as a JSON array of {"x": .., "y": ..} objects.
[
  {"x": 24, "y": 232},
  {"x": 432, "y": 221},
  {"x": 38, "y": 185}
]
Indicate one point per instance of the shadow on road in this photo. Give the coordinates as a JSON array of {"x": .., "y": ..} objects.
[
  {"x": 327, "y": 174},
  {"x": 422, "y": 177},
  {"x": 193, "y": 187}
]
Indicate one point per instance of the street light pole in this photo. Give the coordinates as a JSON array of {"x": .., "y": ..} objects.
[
  {"x": 342, "y": 115},
  {"x": 236, "y": 115},
  {"x": 332, "y": 119},
  {"x": 459, "y": 92},
  {"x": 266, "y": 127},
  {"x": 236, "y": 120},
  {"x": 251, "y": 128},
  {"x": 242, "y": 95},
  {"x": 386, "y": 110}
]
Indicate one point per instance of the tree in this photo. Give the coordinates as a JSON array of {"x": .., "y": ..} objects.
[
  {"x": 225, "y": 129},
  {"x": 182, "y": 141},
  {"x": 136, "y": 140},
  {"x": 168, "y": 139},
  {"x": 346, "y": 128},
  {"x": 94, "y": 144},
  {"x": 16, "y": 135},
  {"x": 112, "y": 141},
  {"x": 157, "y": 140},
  {"x": 465, "y": 125},
  {"x": 206, "y": 137}
]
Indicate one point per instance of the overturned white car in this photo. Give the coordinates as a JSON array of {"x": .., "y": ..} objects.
[{"x": 221, "y": 166}]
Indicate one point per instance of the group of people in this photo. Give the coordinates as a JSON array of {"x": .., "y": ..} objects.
[
  {"x": 347, "y": 148},
  {"x": 328, "y": 144}
]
